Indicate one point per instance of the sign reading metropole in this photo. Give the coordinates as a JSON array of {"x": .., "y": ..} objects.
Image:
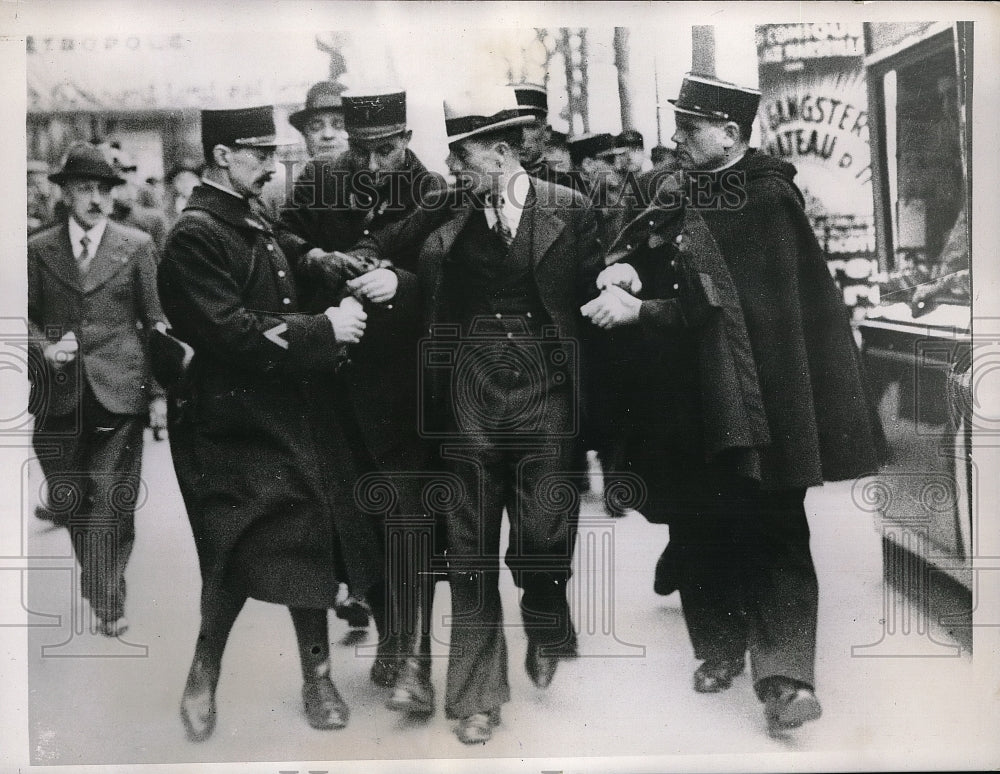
[
  {"x": 814, "y": 114},
  {"x": 168, "y": 71}
]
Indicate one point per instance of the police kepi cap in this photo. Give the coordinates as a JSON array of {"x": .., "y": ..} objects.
[
  {"x": 630, "y": 138},
  {"x": 322, "y": 97},
  {"x": 588, "y": 146},
  {"x": 375, "y": 116},
  {"x": 709, "y": 97},
  {"x": 532, "y": 99},
  {"x": 483, "y": 111},
  {"x": 86, "y": 162},
  {"x": 251, "y": 127}
]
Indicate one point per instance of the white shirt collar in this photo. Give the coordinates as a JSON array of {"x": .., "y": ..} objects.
[
  {"x": 515, "y": 189},
  {"x": 728, "y": 164},
  {"x": 95, "y": 234},
  {"x": 222, "y": 187}
]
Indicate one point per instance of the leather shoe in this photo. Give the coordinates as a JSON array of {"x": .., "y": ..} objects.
[
  {"x": 788, "y": 704},
  {"x": 323, "y": 705},
  {"x": 354, "y": 611},
  {"x": 716, "y": 675},
  {"x": 53, "y": 517},
  {"x": 540, "y": 668},
  {"x": 414, "y": 693},
  {"x": 198, "y": 702},
  {"x": 385, "y": 671},
  {"x": 478, "y": 728},
  {"x": 115, "y": 628}
]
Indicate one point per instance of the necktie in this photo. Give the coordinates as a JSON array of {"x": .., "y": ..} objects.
[
  {"x": 84, "y": 259},
  {"x": 500, "y": 228}
]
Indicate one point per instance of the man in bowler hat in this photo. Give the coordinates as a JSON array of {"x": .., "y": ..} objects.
[
  {"x": 257, "y": 442},
  {"x": 91, "y": 302},
  {"x": 751, "y": 392}
]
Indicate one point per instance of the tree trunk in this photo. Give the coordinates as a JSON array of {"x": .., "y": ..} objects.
[{"x": 621, "y": 48}]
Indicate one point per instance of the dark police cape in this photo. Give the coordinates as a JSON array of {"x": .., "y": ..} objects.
[{"x": 751, "y": 367}]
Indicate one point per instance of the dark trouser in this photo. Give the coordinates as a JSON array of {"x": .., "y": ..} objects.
[
  {"x": 532, "y": 479},
  {"x": 219, "y": 614},
  {"x": 747, "y": 580},
  {"x": 91, "y": 464}
]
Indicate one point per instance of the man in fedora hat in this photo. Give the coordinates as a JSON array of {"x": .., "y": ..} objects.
[
  {"x": 751, "y": 393},
  {"x": 91, "y": 302},
  {"x": 258, "y": 444},
  {"x": 504, "y": 271},
  {"x": 321, "y": 121}
]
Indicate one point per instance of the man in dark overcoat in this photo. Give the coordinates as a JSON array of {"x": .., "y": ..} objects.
[
  {"x": 501, "y": 281},
  {"x": 91, "y": 304},
  {"x": 378, "y": 386},
  {"x": 259, "y": 451},
  {"x": 377, "y": 181},
  {"x": 751, "y": 393}
]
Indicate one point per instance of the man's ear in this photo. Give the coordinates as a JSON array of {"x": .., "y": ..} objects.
[
  {"x": 733, "y": 134},
  {"x": 220, "y": 155}
]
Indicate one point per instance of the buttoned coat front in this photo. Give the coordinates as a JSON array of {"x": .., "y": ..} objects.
[{"x": 257, "y": 441}]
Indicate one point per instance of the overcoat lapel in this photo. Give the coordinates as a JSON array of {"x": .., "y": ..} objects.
[
  {"x": 58, "y": 257},
  {"x": 546, "y": 227}
]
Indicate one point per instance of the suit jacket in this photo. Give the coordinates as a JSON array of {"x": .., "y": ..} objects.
[
  {"x": 565, "y": 255},
  {"x": 109, "y": 311}
]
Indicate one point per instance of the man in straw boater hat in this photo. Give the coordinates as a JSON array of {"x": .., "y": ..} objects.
[
  {"x": 260, "y": 453},
  {"x": 506, "y": 272},
  {"x": 755, "y": 395},
  {"x": 91, "y": 302}
]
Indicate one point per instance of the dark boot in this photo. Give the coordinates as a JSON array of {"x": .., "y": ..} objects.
[
  {"x": 548, "y": 625},
  {"x": 414, "y": 693},
  {"x": 388, "y": 654}
]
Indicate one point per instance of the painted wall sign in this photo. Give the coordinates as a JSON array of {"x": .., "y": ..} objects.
[{"x": 814, "y": 114}]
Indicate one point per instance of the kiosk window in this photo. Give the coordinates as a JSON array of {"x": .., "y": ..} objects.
[{"x": 924, "y": 169}]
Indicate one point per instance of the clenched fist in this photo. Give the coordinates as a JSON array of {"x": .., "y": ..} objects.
[
  {"x": 348, "y": 320},
  {"x": 622, "y": 275}
]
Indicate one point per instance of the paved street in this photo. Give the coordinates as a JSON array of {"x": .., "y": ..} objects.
[{"x": 94, "y": 700}]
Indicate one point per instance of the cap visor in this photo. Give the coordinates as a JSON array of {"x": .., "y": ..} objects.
[{"x": 506, "y": 123}]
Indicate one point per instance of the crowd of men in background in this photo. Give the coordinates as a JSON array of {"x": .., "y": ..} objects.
[{"x": 298, "y": 347}]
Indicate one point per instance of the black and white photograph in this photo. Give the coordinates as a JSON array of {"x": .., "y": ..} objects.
[{"x": 532, "y": 387}]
